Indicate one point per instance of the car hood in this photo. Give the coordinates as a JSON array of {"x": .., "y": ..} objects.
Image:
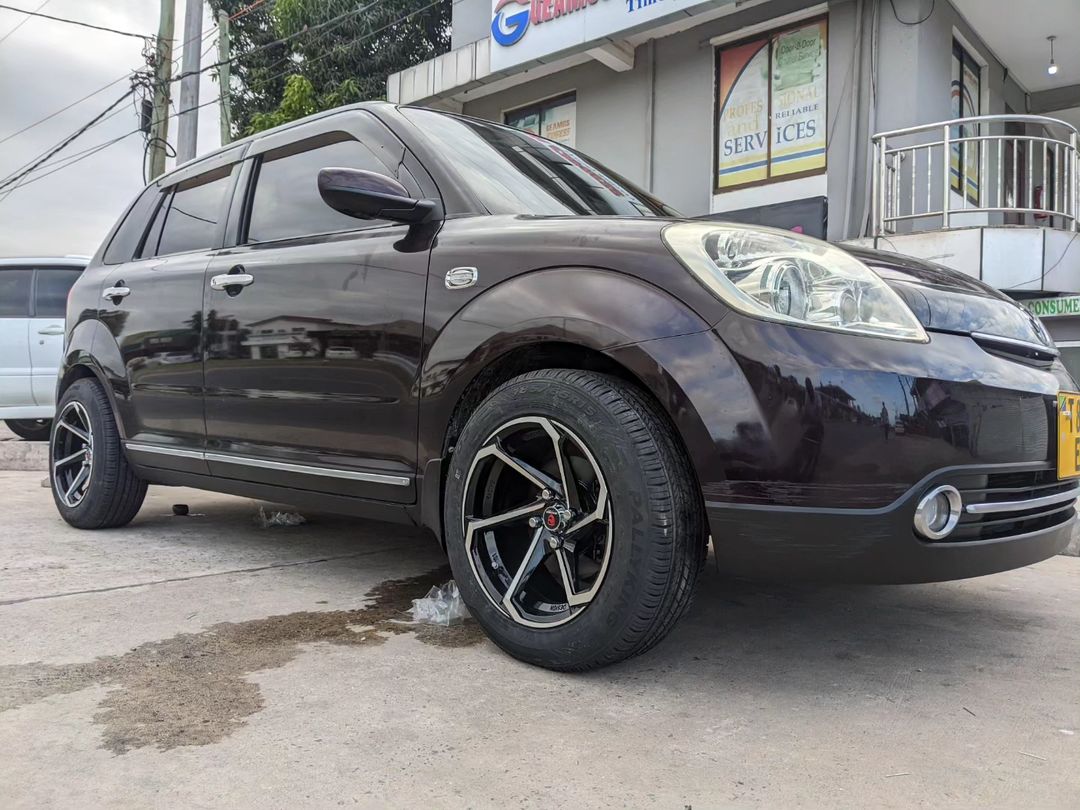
[{"x": 945, "y": 300}]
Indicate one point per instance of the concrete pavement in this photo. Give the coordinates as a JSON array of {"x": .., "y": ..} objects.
[{"x": 203, "y": 661}]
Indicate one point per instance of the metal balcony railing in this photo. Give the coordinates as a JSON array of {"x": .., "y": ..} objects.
[{"x": 988, "y": 170}]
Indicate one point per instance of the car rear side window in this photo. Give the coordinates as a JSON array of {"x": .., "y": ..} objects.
[
  {"x": 125, "y": 241},
  {"x": 51, "y": 290},
  {"x": 286, "y": 201},
  {"x": 194, "y": 211},
  {"x": 15, "y": 292}
]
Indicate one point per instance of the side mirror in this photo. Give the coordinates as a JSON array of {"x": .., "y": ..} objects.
[{"x": 369, "y": 195}]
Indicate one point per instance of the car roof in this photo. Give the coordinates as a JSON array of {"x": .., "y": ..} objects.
[{"x": 63, "y": 261}]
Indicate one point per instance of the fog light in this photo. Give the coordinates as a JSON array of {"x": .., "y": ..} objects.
[{"x": 938, "y": 512}]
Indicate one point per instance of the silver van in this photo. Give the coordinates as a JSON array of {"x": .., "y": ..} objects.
[{"x": 33, "y": 297}]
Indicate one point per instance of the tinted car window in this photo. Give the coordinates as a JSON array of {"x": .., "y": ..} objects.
[
  {"x": 286, "y": 201},
  {"x": 15, "y": 293},
  {"x": 153, "y": 235},
  {"x": 126, "y": 239},
  {"x": 515, "y": 172},
  {"x": 194, "y": 211},
  {"x": 51, "y": 289}
]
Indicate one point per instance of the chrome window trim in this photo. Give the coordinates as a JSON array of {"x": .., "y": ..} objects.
[
  {"x": 246, "y": 461},
  {"x": 1019, "y": 506}
]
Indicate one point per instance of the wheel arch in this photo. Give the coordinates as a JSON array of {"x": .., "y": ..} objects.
[
  {"x": 493, "y": 339},
  {"x": 81, "y": 361}
]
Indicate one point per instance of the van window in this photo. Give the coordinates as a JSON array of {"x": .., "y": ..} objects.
[
  {"x": 194, "y": 211},
  {"x": 286, "y": 202},
  {"x": 125, "y": 241},
  {"x": 51, "y": 290},
  {"x": 15, "y": 292}
]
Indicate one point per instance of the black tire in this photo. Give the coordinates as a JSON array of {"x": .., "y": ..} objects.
[
  {"x": 657, "y": 535},
  {"x": 33, "y": 430},
  {"x": 114, "y": 493}
]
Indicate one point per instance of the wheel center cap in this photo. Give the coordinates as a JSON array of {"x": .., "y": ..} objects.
[{"x": 556, "y": 517}]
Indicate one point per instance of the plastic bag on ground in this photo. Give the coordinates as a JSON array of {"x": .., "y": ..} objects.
[
  {"x": 268, "y": 520},
  {"x": 442, "y": 606}
]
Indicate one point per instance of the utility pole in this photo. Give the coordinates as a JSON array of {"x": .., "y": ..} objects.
[
  {"x": 223, "y": 75},
  {"x": 189, "y": 85},
  {"x": 159, "y": 128}
]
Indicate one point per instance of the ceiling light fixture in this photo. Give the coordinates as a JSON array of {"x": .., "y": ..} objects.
[{"x": 1052, "y": 68}]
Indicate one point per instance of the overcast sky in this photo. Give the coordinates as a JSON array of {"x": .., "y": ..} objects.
[{"x": 46, "y": 65}]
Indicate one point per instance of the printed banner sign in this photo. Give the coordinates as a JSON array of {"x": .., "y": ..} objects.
[
  {"x": 771, "y": 97},
  {"x": 523, "y": 30},
  {"x": 1053, "y": 307}
]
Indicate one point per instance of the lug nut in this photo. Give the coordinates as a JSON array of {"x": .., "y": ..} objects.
[
  {"x": 546, "y": 494},
  {"x": 534, "y": 523}
]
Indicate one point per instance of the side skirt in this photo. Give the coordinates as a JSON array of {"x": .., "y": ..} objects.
[{"x": 303, "y": 499}]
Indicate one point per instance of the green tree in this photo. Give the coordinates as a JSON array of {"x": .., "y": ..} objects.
[{"x": 325, "y": 62}]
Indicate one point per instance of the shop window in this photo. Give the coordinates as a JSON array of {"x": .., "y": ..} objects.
[
  {"x": 771, "y": 106},
  {"x": 966, "y": 97},
  {"x": 554, "y": 119}
]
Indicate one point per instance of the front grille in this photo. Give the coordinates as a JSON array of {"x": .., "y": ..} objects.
[{"x": 1002, "y": 488}]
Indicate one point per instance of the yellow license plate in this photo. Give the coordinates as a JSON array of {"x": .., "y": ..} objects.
[{"x": 1068, "y": 434}]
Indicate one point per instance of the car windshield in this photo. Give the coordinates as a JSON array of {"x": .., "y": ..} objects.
[{"x": 516, "y": 172}]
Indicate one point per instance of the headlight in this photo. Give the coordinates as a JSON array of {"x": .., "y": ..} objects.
[{"x": 783, "y": 276}]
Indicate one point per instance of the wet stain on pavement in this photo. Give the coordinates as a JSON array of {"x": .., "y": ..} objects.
[{"x": 190, "y": 689}]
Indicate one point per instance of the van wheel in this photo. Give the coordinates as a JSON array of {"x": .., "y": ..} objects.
[
  {"x": 33, "y": 430},
  {"x": 93, "y": 485},
  {"x": 574, "y": 524}
]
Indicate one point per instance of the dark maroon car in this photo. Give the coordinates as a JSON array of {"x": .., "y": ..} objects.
[{"x": 417, "y": 317}]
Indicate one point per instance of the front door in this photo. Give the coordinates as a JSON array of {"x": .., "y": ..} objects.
[{"x": 312, "y": 355}]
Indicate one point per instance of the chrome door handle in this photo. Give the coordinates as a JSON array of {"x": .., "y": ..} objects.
[
  {"x": 116, "y": 292},
  {"x": 51, "y": 330},
  {"x": 226, "y": 280}
]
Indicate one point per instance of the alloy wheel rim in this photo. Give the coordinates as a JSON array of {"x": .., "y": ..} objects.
[
  {"x": 537, "y": 522},
  {"x": 73, "y": 454}
]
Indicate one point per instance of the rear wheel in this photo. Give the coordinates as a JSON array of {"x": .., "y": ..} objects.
[
  {"x": 573, "y": 522},
  {"x": 93, "y": 485},
  {"x": 33, "y": 430}
]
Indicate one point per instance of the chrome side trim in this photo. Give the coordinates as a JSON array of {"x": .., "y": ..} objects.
[
  {"x": 1019, "y": 506},
  {"x": 164, "y": 451},
  {"x": 1021, "y": 344},
  {"x": 329, "y": 472}
]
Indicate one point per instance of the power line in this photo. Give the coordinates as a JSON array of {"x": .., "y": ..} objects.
[
  {"x": 76, "y": 22},
  {"x": 339, "y": 18},
  {"x": 68, "y": 161},
  {"x": 23, "y": 21},
  {"x": 9, "y": 180}
]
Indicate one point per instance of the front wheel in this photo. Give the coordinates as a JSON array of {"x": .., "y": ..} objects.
[
  {"x": 33, "y": 430},
  {"x": 574, "y": 525},
  {"x": 93, "y": 485}
]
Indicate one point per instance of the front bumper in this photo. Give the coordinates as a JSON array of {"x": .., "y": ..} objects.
[
  {"x": 813, "y": 448},
  {"x": 881, "y": 546}
]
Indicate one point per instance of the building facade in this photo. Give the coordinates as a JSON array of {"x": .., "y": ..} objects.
[{"x": 929, "y": 127}]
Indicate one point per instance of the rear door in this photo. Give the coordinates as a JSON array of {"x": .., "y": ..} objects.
[
  {"x": 155, "y": 314},
  {"x": 46, "y": 338},
  {"x": 311, "y": 367},
  {"x": 16, "y": 391}
]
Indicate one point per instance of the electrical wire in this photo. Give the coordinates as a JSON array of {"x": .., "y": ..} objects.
[
  {"x": 23, "y": 21},
  {"x": 929, "y": 14},
  {"x": 88, "y": 153},
  {"x": 19, "y": 175},
  {"x": 75, "y": 22}
]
